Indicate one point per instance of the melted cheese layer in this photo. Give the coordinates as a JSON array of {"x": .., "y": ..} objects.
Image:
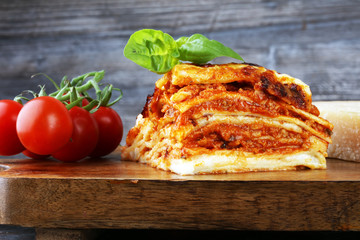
[{"x": 234, "y": 162}]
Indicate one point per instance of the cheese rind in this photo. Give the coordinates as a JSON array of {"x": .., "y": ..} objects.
[{"x": 345, "y": 116}]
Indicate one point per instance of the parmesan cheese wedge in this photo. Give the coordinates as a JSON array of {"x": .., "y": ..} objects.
[{"x": 345, "y": 116}]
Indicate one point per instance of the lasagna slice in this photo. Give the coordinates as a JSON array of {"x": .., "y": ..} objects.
[{"x": 229, "y": 118}]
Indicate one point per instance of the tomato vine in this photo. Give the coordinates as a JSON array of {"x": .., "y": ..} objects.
[{"x": 66, "y": 124}]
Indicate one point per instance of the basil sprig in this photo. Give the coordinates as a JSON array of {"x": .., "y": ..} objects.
[{"x": 159, "y": 52}]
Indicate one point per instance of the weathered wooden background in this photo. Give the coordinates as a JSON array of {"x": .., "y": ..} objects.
[{"x": 316, "y": 41}]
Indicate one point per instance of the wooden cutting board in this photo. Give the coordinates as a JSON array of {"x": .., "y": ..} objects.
[{"x": 111, "y": 193}]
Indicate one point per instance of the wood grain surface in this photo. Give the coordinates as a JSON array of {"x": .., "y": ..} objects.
[
  {"x": 111, "y": 193},
  {"x": 316, "y": 41}
]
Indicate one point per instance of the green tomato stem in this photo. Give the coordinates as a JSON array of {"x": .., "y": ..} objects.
[
  {"x": 117, "y": 99},
  {"x": 18, "y": 99},
  {"x": 91, "y": 106},
  {"x": 106, "y": 95},
  {"x": 61, "y": 93},
  {"x": 97, "y": 76},
  {"x": 73, "y": 94},
  {"x": 75, "y": 103},
  {"x": 80, "y": 79},
  {"x": 42, "y": 91},
  {"x": 49, "y": 78},
  {"x": 63, "y": 81},
  {"x": 97, "y": 89}
]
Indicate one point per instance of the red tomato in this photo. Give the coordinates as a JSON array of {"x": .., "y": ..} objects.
[
  {"x": 84, "y": 102},
  {"x": 44, "y": 125},
  {"x": 110, "y": 131},
  {"x": 9, "y": 141},
  {"x": 34, "y": 155},
  {"x": 84, "y": 138}
]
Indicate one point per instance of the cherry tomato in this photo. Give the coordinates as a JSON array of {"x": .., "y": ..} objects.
[
  {"x": 9, "y": 141},
  {"x": 34, "y": 155},
  {"x": 110, "y": 131},
  {"x": 84, "y": 138},
  {"x": 84, "y": 102},
  {"x": 44, "y": 125}
]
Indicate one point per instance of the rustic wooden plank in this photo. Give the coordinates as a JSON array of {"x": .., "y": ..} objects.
[
  {"x": 66, "y": 56},
  {"x": 123, "y": 17},
  {"x": 187, "y": 205},
  {"x": 317, "y": 69},
  {"x": 128, "y": 195}
]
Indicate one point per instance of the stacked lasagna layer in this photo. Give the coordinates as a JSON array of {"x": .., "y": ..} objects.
[{"x": 229, "y": 118}]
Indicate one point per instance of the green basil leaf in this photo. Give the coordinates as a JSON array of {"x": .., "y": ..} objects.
[
  {"x": 181, "y": 41},
  {"x": 152, "y": 49},
  {"x": 199, "y": 49},
  {"x": 159, "y": 52}
]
